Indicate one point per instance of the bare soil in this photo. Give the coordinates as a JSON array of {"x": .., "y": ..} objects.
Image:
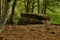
[{"x": 30, "y": 32}]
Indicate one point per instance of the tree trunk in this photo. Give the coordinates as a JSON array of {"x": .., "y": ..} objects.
[
  {"x": 0, "y": 12},
  {"x": 33, "y": 6},
  {"x": 25, "y": 5},
  {"x": 0, "y": 9},
  {"x": 44, "y": 6},
  {"x": 28, "y": 6},
  {"x": 44, "y": 11},
  {"x": 38, "y": 6},
  {"x": 6, "y": 15},
  {"x": 12, "y": 14}
]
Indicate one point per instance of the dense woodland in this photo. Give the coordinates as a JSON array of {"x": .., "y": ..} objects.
[{"x": 11, "y": 10}]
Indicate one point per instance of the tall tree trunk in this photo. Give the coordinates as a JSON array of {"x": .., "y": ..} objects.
[
  {"x": 6, "y": 15},
  {"x": 44, "y": 6},
  {"x": 12, "y": 14},
  {"x": 28, "y": 6},
  {"x": 44, "y": 12},
  {"x": 33, "y": 6},
  {"x": 0, "y": 6},
  {"x": 0, "y": 9},
  {"x": 25, "y": 5},
  {"x": 38, "y": 6}
]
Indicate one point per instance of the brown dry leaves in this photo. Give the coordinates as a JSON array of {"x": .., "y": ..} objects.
[{"x": 30, "y": 32}]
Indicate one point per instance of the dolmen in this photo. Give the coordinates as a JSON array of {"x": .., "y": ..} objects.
[{"x": 30, "y": 18}]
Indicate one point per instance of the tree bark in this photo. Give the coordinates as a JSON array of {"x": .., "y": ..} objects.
[
  {"x": 12, "y": 14},
  {"x": 38, "y": 6},
  {"x": 44, "y": 6},
  {"x": 33, "y": 6},
  {"x": 0, "y": 6},
  {"x": 0, "y": 9},
  {"x": 6, "y": 15},
  {"x": 28, "y": 6},
  {"x": 25, "y": 5}
]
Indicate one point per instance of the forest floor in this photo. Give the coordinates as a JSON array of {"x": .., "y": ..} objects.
[{"x": 30, "y": 32}]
